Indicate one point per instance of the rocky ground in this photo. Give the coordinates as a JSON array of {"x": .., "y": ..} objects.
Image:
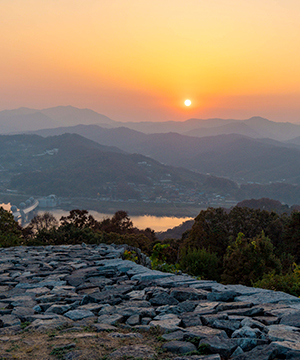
[{"x": 85, "y": 302}]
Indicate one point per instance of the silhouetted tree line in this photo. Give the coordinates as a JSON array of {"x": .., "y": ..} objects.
[{"x": 243, "y": 245}]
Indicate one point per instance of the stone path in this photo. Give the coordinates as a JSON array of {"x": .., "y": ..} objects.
[{"x": 44, "y": 288}]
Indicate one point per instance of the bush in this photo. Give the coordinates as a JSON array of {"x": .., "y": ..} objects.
[
  {"x": 159, "y": 259},
  {"x": 289, "y": 283},
  {"x": 199, "y": 262},
  {"x": 10, "y": 231},
  {"x": 247, "y": 260}
]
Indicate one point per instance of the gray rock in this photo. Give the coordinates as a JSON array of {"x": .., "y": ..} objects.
[
  {"x": 247, "y": 344},
  {"x": 247, "y": 332},
  {"x": 133, "y": 320},
  {"x": 176, "y": 335},
  {"x": 203, "y": 332},
  {"x": 45, "y": 325},
  {"x": 145, "y": 320},
  {"x": 233, "y": 305},
  {"x": 59, "y": 309},
  {"x": 267, "y": 320},
  {"x": 163, "y": 298},
  {"x": 207, "y": 307},
  {"x": 168, "y": 322},
  {"x": 254, "y": 324},
  {"x": 221, "y": 346},
  {"x": 9, "y": 320},
  {"x": 183, "y": 294},
  {"x": 283, "y": 333},
  {"x": 78, "y": 314},
  {"x": 22, "y": 312},
  {"x": 238, "y": 351},
  {"x": 292, "y": 318},
  {"x": 179, "y": 347},
  {"x": 110, "y": 319},
  {"x": 227, "y": 295},
  {"x": 268, "y": 296},
  {"x": 190, "y": 319}
]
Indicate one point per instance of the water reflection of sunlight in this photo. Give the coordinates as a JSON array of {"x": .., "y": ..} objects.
[
  {"x": 6, "y": 206},
  {"x": 156, "y": 223}
]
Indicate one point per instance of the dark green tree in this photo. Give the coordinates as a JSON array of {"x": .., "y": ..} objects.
[
  {"x": 210, "y": 232},
  {"x": 10, "y": 231},
  {"x": 247, "y": 260}
]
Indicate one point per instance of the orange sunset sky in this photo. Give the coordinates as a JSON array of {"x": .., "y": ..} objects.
[{"x": 138, "y": 60}]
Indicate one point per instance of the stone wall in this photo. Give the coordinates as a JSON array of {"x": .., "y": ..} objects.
[{"x": 54, "y": 286}]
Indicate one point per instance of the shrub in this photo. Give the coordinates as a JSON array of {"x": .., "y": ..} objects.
[
  {"x": 289, "y": 283},
  {"x": 199, "y": 262},
  {"x": 247, "y": 260},
  {"x": 10, "y": 231}
]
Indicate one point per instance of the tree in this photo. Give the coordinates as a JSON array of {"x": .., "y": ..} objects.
[
  {"x": 210, "y": 231},
  {"x": 291, "y": 236},
  {"x": 247, "y": 260},
  {"x": 120, "y": 223},
  {"x": 79, "y": 219},
  {"x": 45, "y": 221},
  {"x": 10, "y": 231}
]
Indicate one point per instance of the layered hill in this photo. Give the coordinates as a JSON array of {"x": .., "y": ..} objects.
[
  {"x": 25, "y": 119},
  {"x": 70, "y": 165},
  {"x": 237, "y": 157}
]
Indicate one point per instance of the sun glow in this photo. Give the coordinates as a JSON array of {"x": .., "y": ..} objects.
[{"x": 187, "y": 102}]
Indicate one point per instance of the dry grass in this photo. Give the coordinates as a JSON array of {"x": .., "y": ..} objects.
[{"x": 74, "y": 345}]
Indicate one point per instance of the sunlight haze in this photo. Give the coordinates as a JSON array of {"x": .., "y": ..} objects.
[{"x": 136, "y": 60}]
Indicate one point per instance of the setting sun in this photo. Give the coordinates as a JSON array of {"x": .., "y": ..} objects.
[{"x": 187, "y": 102}]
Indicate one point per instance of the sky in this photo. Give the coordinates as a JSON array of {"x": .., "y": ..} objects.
[{"x": 139, "y": 60}]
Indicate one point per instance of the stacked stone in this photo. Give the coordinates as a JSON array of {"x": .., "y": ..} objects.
[{"x": 72, "y": 286}]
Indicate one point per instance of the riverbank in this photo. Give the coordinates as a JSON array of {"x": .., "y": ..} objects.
[{"x": 138, "y": 208}]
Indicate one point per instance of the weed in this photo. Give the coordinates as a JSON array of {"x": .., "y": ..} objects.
[
  {"x": 25, "y": 324},
  {"x": 156, "y": 331},
  {"x": 52, "y": 334},
  {"x": 13, "y": 347},
  {"x": 194, "y": 340},
  {"x": 59, "y": 352}
]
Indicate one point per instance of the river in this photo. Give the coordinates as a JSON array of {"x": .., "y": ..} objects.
[{"x": 156, "y": 223}]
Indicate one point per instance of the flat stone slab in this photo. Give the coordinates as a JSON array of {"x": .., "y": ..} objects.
[{"x": 179, "y": 347}]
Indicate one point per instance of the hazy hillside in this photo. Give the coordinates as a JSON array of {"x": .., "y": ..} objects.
[
  {"x": 70, "y": 165},
  {"x": 256, "y": 127},
  {"x": 237, "y": 157},
  {"x": 24, "y": 119}
]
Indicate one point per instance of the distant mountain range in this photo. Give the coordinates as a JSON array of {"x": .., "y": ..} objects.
[
  {"x": 255, "y": 150},
  {"x": 255, "y": 127},
  {"x": 236, "y": 157},
  {"x": 71, "y": 165},
  {"x": 24, "y": 119}
]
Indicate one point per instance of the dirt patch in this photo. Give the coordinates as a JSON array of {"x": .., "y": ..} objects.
[{"x": 81, "y": 345}]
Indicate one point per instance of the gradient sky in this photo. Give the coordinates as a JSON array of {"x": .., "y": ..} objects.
[{"x": 138, "y": 60}]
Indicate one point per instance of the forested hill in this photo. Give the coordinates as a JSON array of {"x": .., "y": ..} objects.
[
  {"x": 71, "y": 165},
  {"x": 230, "y": 155}
]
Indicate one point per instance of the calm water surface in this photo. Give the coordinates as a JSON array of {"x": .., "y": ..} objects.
[{"x": 157, "y": 223}]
